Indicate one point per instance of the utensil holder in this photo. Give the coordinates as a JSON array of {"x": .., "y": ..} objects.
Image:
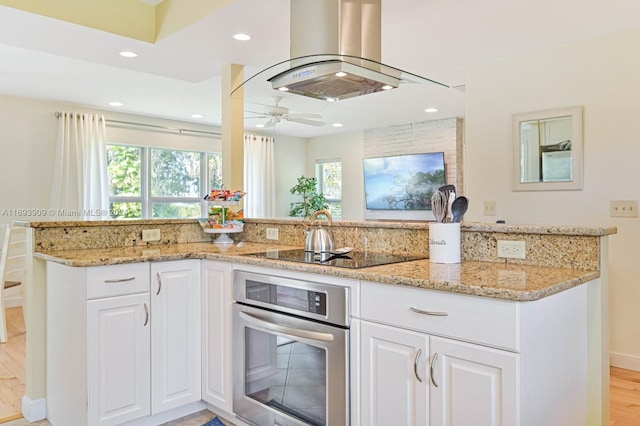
[{"x": 444, "y": 242}]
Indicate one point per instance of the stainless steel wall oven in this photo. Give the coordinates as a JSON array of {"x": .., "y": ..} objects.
[{"x": 291, "y": 351}]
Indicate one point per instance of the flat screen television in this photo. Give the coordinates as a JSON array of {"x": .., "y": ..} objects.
[{"x": 403, "y": 182}]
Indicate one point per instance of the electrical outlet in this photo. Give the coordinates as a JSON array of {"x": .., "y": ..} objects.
[
  {"x": 150, "y": 235},
  {"x": 272, "y": 233},
  {"x": 511, "y": 249},
  {"x": 623, "y": 208},
  {"x": 489, "y": 208}
]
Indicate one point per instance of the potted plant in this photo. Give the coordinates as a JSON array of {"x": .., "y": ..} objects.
[{"x": 307, "y": 188}]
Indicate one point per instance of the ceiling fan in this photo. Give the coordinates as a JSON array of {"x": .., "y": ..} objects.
[{"x": 276, "y": 113}]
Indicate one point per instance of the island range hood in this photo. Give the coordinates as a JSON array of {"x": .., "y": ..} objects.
[{"x": 336, "y": 51}]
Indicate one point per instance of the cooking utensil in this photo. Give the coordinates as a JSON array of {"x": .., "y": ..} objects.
[
  {"x": 438, "y": 206},
  {"x": 447, "y": 190},
  {"x": 459, "y": 208},
  {"x": 319, "y": 240}
]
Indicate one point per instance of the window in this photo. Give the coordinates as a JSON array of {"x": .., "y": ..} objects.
[
  {"x": 329, "y": 176},
  {"x": 160, "y": 183}
]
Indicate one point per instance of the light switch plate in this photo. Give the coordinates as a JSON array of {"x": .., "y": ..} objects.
[
  {"x": 623, "y": 208},
  {"x": 489, "y": 208}
]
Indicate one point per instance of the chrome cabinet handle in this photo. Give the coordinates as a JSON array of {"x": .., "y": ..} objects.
[
  {"x": 432, "y": 313},
  {"x": 415, "y": 365},
  {"x": 119, "y": 280},
  {"x": 159, "y": 283},
  {"x": 433, "y": 361},
  {"x": 146, "y": 313},
  {"x": 297, "y": 332}
]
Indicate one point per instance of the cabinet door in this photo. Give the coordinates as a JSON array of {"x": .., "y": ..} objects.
[
  {"x": 118, "y": 359},
  {"x": 175, "y": 334},
  {"x": 472, "y": 385},
  {"x": 217, "y": 298},
  {"x": 394, "y": 380}
]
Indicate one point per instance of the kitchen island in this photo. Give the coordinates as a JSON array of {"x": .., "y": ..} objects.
[{"x": 532, "y": 281}]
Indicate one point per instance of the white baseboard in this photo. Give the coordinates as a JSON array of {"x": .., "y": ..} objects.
[
  {"x": 624, "y": 361},
  {"x": 167, "y": 416},
  {"x": 34, "y": 410}
]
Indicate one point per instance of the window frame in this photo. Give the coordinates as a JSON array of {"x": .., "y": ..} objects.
[
  {"x": 319, "y": 173},
  {"x": 147, "y": 200}
]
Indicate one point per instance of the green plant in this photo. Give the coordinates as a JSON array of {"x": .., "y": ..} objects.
[{"x": 307, "y": 188}]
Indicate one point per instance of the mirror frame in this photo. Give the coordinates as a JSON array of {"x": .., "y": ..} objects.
[{"x": 576, "y": 146}]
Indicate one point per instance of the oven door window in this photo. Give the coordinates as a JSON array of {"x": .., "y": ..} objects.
[{"x": 286, "y": 375}]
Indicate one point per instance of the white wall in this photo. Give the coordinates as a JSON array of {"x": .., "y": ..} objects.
[
  {"x": 348, "y": 148},
  {"x": 290, "y": 156},
  {"x": 602, "y": 76}
]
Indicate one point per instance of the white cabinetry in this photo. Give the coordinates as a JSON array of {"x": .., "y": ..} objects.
[
  {"x": 217, "y": 298},
  {"x": 175, "y": 334},
  {"x": 392, "y": 391},
  {"x": 101, "y": 325},
  {"x": 437, "y": 358},
  {"x": 118, "y": 350}
]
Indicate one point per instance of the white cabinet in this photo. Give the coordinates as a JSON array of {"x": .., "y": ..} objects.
[
  {"x": 175, "y": 334},
  {"x": 472, "y": 385},
  {"x": 445, "y": 359},
  {"x": 394, "y": 387},
  {"x": 217, "y": 298},
  {"x": 118, "y": 352}
]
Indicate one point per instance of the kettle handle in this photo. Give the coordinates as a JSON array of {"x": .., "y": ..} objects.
[{"x": 319, "y": 212}]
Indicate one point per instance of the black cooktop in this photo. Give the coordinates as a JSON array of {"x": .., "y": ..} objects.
[{"x": 354, "y": 259}]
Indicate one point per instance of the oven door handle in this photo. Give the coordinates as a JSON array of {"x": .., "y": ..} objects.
[{"x": 297, "y": 332}]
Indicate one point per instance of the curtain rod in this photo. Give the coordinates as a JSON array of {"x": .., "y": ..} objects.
[{"x": 154, "y": 126}]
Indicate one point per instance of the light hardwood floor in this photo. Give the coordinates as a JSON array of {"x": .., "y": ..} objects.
[{"x": 625, "y": 384}]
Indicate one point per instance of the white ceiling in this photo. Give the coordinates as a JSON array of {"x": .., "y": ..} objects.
[{"x": 180, "y": 75}]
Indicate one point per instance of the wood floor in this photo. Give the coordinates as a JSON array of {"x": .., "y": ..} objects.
[
  {"x": 625, "y": 384},
  {"x": 12, "y": 362}
]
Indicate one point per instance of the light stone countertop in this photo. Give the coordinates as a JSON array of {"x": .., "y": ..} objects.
[{"x": 487, "y": 279}]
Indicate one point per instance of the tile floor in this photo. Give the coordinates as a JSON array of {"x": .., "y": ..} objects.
[{"x": 195, "y": 419}]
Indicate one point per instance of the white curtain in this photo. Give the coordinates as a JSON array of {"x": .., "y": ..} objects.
[
  {"x": 80, "y": 187},
  {"x": 259, "y": 177}
]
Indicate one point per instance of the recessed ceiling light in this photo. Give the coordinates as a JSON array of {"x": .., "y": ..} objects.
[
  {"x": 116, "y": 103},
  {"x": 284, "y": 89},
  {"x": 260, "y": 125},
  {"x": 337, "y": 124},
  {"x": 242, "y": 37},
  {"x": 431, "y": 110},
  {"x": 341, "y": 74},
  {"x": 197, "y": 116},
  {"x": 128, "y": 54},
  {"x": 387, "y": 87},
  {"x": 330, "y": 99}
]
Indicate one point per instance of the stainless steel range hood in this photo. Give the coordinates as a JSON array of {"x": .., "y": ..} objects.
[{"x": 336, "y": 50}]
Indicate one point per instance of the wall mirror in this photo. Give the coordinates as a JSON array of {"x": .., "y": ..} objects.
[{"x": 548, "y": 150}]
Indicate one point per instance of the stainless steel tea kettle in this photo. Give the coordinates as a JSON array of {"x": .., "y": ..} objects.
[{"x": 319, "y": 239}]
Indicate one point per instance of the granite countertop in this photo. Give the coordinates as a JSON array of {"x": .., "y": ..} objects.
[{"x": 487, "y": 279}]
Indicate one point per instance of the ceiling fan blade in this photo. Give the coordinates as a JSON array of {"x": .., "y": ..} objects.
[
  {"x": 246, "y": 111},
  {"x": 304, "y": 115},
  {"x": 305, "y": 121}
]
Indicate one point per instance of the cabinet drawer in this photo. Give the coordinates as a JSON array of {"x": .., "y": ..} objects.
[
  {"x": 474, "y": 319},
  {"x": 117, "y": 280}
]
